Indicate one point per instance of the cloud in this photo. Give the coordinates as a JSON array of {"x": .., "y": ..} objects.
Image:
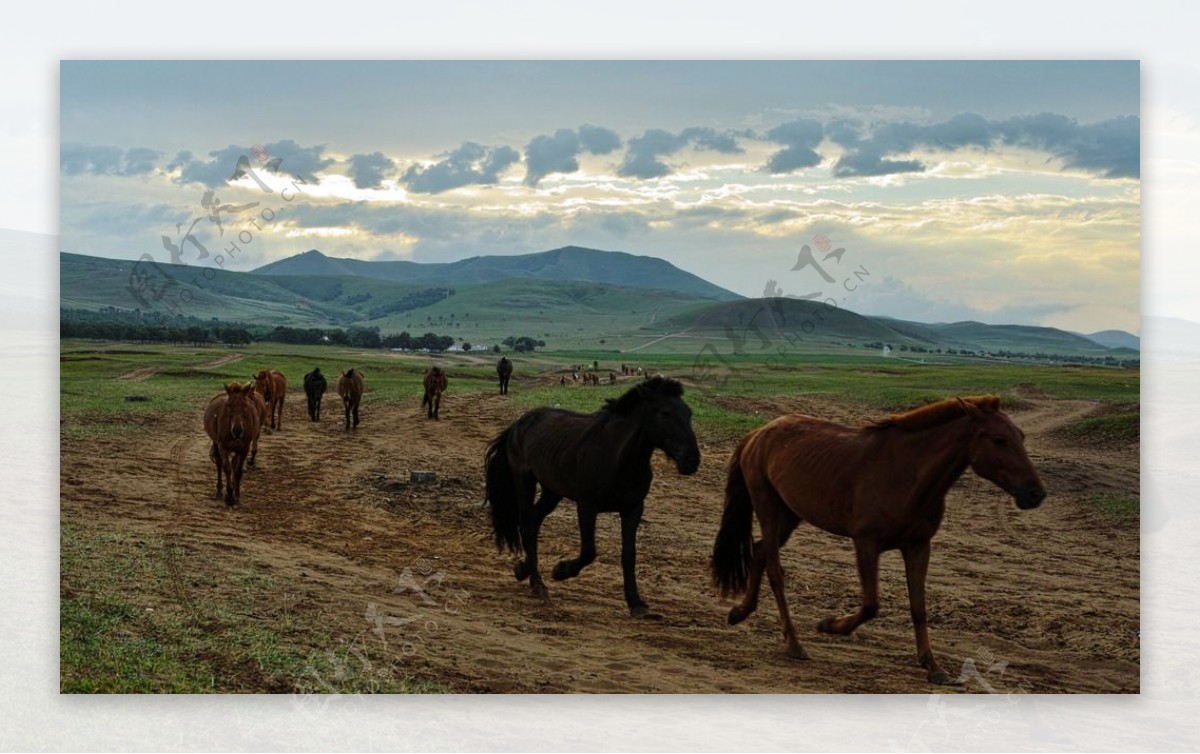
[
  {"x": 283, "y": 157},
  {"x": 470, "y": 164},
  {"x": 643, "y": 153},
  {"x": 599, "y": 140},
  {"x": 81, "y": 159},
  {"x": 1110, "y": 148},
  {"x": 369, "y": 170},
  {"x": 551, "y": 154},
  {"x": 800, "y": 139},
  {"x": 560, "y": 153}
]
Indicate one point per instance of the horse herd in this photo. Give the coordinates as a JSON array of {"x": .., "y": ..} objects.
[{"x": 882, "y": 485}]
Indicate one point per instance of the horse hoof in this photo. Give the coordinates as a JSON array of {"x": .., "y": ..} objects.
[
  {"x": 541, "y": 592},
  {"x": 826, "y": 626},
  {"x": 521, "y": 571},
  {"x": 796, "y": 652},
  {"x": 737, "y": 614},
  {"x": 644, "y": 612},
  {"x": 562, "y": 571},
  {"x": 942, "y": 678}
]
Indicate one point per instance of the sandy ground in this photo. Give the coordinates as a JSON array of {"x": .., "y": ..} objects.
[{"x": 1043, "y": 601}]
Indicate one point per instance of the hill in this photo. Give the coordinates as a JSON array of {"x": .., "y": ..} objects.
[
  {"x": 568, "y": 264},
  {"x": 566, "y": 314},
  {"x": 1116, "y": 339}
]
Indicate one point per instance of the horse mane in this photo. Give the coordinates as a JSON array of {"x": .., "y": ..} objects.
[
  {"x": 935, "y": 414},
  {"x": 350, "y": 372},
  {"x": 653, "y": 387}
]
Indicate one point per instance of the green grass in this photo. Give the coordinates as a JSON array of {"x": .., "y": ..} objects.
[
  {"x": 1115, "y": 506},
  {"x": 141, "y": 613},
  {"x": 1116, "y": 428}
]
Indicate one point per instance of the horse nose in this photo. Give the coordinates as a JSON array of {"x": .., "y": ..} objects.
[
  {"x": 237, "y": 432},
  {"x": 1030, "y": 497}
]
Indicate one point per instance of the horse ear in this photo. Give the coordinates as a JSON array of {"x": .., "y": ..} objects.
[
  {"x": 970, "y": 408},
  {"x": 248, "y": 388}
]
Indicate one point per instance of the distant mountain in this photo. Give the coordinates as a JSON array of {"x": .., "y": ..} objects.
[
  {"x": 565, "y": 313},
  {"x": 568, "y": 264},
  {"x": 1116, "y": 339}
]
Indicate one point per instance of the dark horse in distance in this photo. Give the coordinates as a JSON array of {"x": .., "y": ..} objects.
[
  {"x": 350, "y": 387},
  {"x": 504, "y": 372},
  {"x": 883, "y": 486},
  {"x": 600, "y": 460},
  {"x": 435, "y": 384},
  {"x": 314, "y": 389}
]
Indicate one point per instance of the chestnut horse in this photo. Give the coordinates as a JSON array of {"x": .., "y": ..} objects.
[
  {"x": 350, "y": 387},
  {"x": 232, "y": 423},
  {"x": 273, "y": 386},
  {"x": 314, "y": 390},
  {"x": 884, "y": 486},
  {"x": 504, "y": 369},
  {"x": 435, "y": 385},
  {"x": 600, "y": 460}
]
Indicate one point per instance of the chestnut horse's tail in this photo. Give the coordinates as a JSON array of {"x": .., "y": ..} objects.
[
  {"x": 733, "y": 552},
  {"x": 502, "y": 495}
]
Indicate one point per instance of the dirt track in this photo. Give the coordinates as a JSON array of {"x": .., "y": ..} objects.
[{"x": 1051, "y": 593}]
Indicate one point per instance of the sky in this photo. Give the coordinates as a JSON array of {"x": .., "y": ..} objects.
[{"x": 1005, "y": 192}]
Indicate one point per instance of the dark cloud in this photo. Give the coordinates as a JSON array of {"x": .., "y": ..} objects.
[
  {"x": 551, "y": 154},
  {"x": 79, "y": 159},
  {"x": 560, "y": 153},
  {"x": 643, "y": 153},
  {"x": 469, "y": 164},
  {"x": 369, "y": 170},
  {"x": 599, "y": 140},
  {"x": 1111, "y": 148},
  {"x": 283, "y": 157},
  {"x": 800, "y": 139}
]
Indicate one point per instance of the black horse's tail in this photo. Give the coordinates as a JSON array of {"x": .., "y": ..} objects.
[
  {"x": 502, "y": 495},
  {"x": 733, "y": 552}
]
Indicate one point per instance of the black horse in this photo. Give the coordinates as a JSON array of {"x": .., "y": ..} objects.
[
  {"x": 504, "y": 372},
  {"x": 314, "y": 388},
  {"x": 600, "y": 460}
]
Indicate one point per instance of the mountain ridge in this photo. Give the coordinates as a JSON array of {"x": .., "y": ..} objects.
[{"x": 564, "y": 264}]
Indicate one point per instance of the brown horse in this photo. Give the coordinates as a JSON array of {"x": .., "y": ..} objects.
[
  {"x": 350, "y": 387},
  {"x": 883, "y": 485},
  {"x": 435, "y": 385},
  {"x": 232, "y": 423},
  {"x": 273, "y": 386},
  {"x": 504, "y": 369},
  {"x": 600, "y": 460}
]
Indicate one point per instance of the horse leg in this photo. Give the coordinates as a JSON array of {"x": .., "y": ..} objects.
[
  {"x": 567, "y": 569},
  {"x": 630, "y": 519},
  {"x": 238, "y": 464},
  {"x": 216, "y": 456},
  {"x": 531, "y": 516},
  {"x": 437, "y": 406},
  {"x": 866, "y": 552},
  {"x": 356, "y": 414},
  {"x": 346, "y": 407},
  {"x": 253, "y": 451},
  {"x": 777, "y": 522},
  {"x": 230, "y": 479},
  {"x": 916, "y": 565}
]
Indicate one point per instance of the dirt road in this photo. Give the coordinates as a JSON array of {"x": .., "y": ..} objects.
[{"x": 1043, "y": 601}]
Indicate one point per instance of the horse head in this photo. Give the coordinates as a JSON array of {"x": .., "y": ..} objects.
[
  {"x": 666, "y": 420},
  {"x": 997, "y": 452},
  {"x": 240, "y": 410}
]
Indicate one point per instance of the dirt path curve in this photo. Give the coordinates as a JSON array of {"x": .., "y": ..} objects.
[
  {"x": 221, "y": 361},
  {"x": 412, "y": 567}
]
